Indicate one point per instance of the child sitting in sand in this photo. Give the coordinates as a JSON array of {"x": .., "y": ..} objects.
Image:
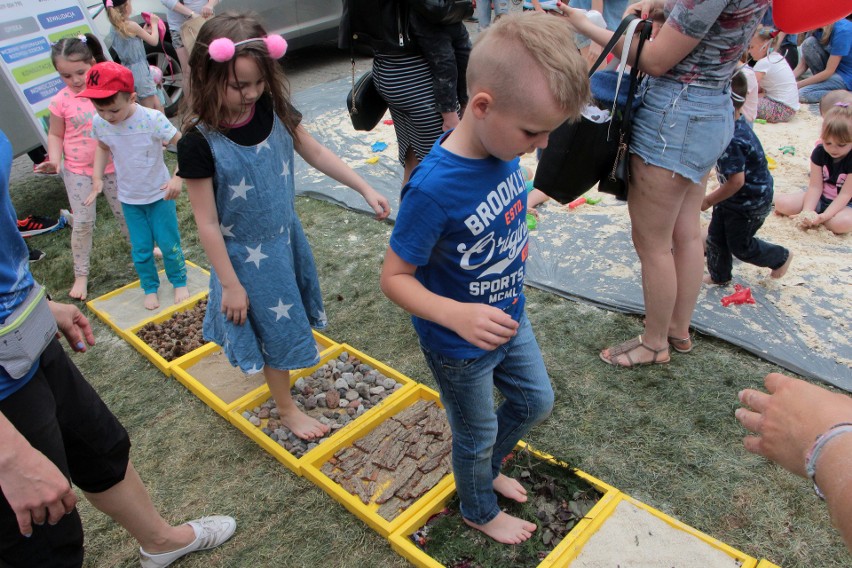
[
  {"x": 778, "y": 96},
  {"x": 741, "y": 203},
  {"x": 826, "y": 201}
]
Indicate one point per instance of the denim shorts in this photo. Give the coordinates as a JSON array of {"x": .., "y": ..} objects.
[{"x": 682, "y": 128}]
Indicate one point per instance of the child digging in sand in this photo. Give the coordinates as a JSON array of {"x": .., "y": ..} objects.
[
  {"x": 457, "y": 254},
  {"x": 741, "y": 203},
  {"x": 135, "y": 136}
]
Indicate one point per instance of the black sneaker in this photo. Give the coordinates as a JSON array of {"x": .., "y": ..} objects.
[
  {"x": 36, "y": 255},
  {"x": 36, "y": 225}
]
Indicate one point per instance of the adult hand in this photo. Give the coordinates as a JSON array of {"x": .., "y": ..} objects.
[
  {"x": 207, "y": 9},
  {"x": 73, "y": 325},
  {"x": 788, "y": 419},
  {"x": 482, "y": 325},
  {"x": 34, "y": 487}
]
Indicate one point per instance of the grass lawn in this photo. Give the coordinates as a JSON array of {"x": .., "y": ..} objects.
[{"x": 665, "y": 434}]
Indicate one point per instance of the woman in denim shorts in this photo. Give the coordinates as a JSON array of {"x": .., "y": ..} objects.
[{"x": 681, "y": 128}]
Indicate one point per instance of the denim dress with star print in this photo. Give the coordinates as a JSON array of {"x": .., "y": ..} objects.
[{"x": 255, "y": 200}]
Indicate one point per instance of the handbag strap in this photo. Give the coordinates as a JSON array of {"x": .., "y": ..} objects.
[
  {"x": 616, "y": 35},
  {"x": 627, "y": 114}
]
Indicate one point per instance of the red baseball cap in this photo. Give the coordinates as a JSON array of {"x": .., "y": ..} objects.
[{"x": 106, "y": 79}]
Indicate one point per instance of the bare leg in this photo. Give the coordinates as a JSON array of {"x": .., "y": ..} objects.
[
  {"x": 789, "y": 204},
  {"x": 688, "y": 253},
  {"x": 297, "y": 421},
  {"x": 506, "y": 529},
  {"x": 841, "y": 223},
  {"x": 411, "y": 162},
  {"x": 129, "y": 504}
]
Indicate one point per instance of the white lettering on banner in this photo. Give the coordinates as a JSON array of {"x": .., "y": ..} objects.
[{"x": 494, "y": 203}]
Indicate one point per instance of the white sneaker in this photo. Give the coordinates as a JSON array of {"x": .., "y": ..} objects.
[{"x": 210, "y": 532}]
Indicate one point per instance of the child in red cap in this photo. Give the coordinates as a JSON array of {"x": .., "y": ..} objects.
[{"x": 135, "y": 136}]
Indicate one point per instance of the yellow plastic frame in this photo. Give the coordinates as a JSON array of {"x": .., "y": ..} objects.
[
  {"x": 367, "y": 513},
  {"x": 165, "y": 366},
  {"x": 104, "y": 316},
  {"x": 182, "y": 371},
  {"x": 571, "y": 553},
  {"x": 401, "y": 542},
  {"x": 261, "y": 394}
]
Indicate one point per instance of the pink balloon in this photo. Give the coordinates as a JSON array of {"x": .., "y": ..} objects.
[{"x": 795, "y": 16}]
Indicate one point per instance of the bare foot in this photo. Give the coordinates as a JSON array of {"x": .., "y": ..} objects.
[
  {"x": 302, "y": 425},
  {"x": 782, "y": 270},
  {"x": 181, "y": 294},
  {"x": 80, "y": 288},
  {"x": 158, "y": 253},
  {"x": 152, "y": 302},
  {"x": 505, "y": 528},
  {"x": 510, "y": 488}
]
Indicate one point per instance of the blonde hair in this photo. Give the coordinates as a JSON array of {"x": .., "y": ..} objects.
[
  {"x": 519, "y": 44},
  {"x": 117, "y": 16},
  {"x": 208, "y": 78},
  {"x": 837, "y": 123},
  {"x": 826, "y": 34}
]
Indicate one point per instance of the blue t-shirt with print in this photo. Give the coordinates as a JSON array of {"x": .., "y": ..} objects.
[
  {"x": 462, "y": 223},
  {"x": 745, "y": 154},
  {"x": 840, "y": 44},
  {"x": 15, "y": 278}
]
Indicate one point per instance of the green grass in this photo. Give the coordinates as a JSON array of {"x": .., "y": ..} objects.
[{"x": 664, "y": 434}]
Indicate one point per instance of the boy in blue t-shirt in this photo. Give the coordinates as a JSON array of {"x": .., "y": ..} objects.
[
  {"x": 457, "y": 254},
  {"x": 741, "y": 203}
]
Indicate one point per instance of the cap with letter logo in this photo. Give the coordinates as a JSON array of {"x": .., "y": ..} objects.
[{"x": 106, "y": 79}]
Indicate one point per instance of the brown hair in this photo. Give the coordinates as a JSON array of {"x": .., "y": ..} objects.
[
  {"x": 208, "y": 78},
  {"x": 106, "y": 101},
  {"x": 837, "y": 123},
  {"x": 826, "y": 34},
  {"x": 739, "y": 87},
  {"x": 76, "y": 49},
  {"x": 833, "y": 97},
  {"x": 518, "y": 44}
]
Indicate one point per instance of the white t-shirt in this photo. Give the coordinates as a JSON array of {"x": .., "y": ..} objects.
[
  {"x": 779, "y": 83},
  {"x": 137, "y": 152},
  {"x": 750, "y": 106}
]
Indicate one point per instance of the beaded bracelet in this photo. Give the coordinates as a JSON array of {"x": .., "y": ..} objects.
[{"x": 816, "y": 450}]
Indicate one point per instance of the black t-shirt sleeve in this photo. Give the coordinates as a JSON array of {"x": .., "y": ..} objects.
[{"x": 195, "y": 159}]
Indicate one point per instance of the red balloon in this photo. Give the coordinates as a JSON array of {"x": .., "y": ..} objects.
[{"x": 795, "y": 16}]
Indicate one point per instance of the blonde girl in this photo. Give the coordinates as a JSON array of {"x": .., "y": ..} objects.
[
  {"x": 237, "y": 158},
  {"x": 69, "y": 138},
  {"x": 127, "y": 38},
  {"x": 778, "y": 96},
  {"x": 826, "y": 201}
]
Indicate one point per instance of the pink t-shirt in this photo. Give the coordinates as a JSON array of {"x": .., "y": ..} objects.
[{"x": 78, "y": 146}]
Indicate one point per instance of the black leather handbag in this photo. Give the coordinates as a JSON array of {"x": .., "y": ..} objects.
[
  {"x": 366, "y": 106},
  {"x": 582, "y": 153}
]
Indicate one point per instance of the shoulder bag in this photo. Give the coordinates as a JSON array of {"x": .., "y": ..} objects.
[
  {"x": 366, "y": 106},
  {"x": 582, "y": 153}
]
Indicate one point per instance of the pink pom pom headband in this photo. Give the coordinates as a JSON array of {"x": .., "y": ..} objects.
[{"x": 223, "y": 49}]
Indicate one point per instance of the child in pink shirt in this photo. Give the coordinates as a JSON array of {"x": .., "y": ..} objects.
[{"x": 70, "y": 137}]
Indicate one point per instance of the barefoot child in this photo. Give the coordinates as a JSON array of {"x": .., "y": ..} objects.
[
  {"x": 457, "y": 254},
  {"x": 827, "y": 198},
  {"x": 70, "y": 143},
  {"x": 741, "y": 203},
  {"x": 237, "y": 159},
  {"x": 135, "y": 136}
]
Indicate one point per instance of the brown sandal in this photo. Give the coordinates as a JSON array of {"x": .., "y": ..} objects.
[
  {"x": 681, "y": 345},
  {"x": 628, "y": 346}
]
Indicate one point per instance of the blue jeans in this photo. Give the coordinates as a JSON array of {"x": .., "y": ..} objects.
[
  {"x": 731, "y": 234},
  {"x": 149, "y": 223},
  {"x": 483, "y": 11},
  {"x": 816, "y": 56},
  {"x": 482, "y": 437}
]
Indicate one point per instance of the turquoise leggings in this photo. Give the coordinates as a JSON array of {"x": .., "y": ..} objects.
[{"x": 150, "y": 223}]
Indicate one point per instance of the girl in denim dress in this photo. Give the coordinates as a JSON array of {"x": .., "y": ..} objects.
[{"x": 237, "y": 158}]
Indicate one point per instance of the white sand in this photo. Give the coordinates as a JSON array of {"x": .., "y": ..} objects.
[{"x": 632, "y": 537}]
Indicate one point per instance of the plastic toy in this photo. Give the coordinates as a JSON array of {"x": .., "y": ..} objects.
[
  {"x": 787, "y": 150},
  {"x": 372, "y": 160},
  {"x": 771, "y": 163},
  {"x": 388, "y": 121},
  {"x": 795, "y": 16},
  {"x": 741, "y": 295},
  {"x": 378, "y": 146},
  {"x": 760, "y": 120},
  {"x": 595, "y": 201},
  {"x": 532, "y": 222},
  {"x": 576, "y": 203}
]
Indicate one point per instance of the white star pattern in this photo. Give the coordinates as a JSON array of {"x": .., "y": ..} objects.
[
  {"x": 226, "y": 231},
  {"x": 255, "y": 256},
  {"x": 240, "y": 190},
  {"x": 262, "y": 145},
  {"x": 281, "y": 310},
  {"x": 285, "y": 171}
]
